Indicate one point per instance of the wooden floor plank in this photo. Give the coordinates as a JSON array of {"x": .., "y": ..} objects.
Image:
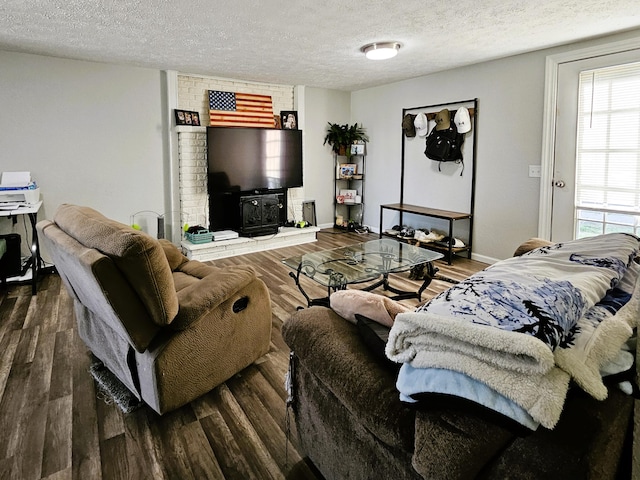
[
  {"x": 142, "y": 450},
  {"x": 272, "y": 432},
  {"x": 7, "y": 316},
  {"x": 254, "y": 450},
  {"x": 8, "y": 347},
  {"x": 61, "y": 381},
  {"x": 11, "y": 407},
  {"x": 173, "y": 451},
  {"x": 115, "y": 449},
  {"x": 33, "y": 419},
  {"x": 199, "y": 452},
  {"x": 85, "y": 447},
  {"x": 228, "y": 453},
  {"x": 57, "y": 442}
]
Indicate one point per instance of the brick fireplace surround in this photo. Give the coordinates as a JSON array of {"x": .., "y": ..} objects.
[{"x": 192, "y": 150}]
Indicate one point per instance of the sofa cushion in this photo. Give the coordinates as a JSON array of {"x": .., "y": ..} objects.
[{"x": 138, "y": 256}]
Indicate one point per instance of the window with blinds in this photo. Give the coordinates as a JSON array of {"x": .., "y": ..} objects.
[{"x": 608, "y": 151}]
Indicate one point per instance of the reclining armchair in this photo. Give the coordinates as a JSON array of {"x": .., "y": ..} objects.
[{"x": 171, "y": 329}]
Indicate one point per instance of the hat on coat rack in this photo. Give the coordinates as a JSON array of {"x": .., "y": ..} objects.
[
  {"x": 407, "y": 125},
  {"x": 462, "y": 120},
  {"x": 443, "y": 119},
  {"x": 422, "y": 124}
]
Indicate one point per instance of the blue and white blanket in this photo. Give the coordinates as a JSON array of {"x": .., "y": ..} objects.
[{"x": 526, "y": 325}]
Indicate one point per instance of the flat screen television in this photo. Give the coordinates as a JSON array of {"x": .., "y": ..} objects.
[{"x": 249, "y": 159}]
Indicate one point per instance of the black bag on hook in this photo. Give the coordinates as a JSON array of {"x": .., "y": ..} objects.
[{"x": 445, "y": 145}]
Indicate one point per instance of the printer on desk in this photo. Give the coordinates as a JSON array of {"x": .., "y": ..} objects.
[{"x": 17, "y": 187}]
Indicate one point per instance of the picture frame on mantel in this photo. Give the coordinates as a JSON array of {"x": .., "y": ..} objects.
[
  {"x": 187, "y": 117},
  {"x": 289, "y": 119}
]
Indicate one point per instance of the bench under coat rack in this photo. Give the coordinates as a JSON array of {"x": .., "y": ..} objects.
[{"x": 446, "y": 194}]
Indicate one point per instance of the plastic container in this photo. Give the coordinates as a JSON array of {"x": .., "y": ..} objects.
[{"x": 201, "y": 236}]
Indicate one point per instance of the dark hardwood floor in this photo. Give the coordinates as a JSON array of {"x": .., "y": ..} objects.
[{"x": 54, "y": 424}]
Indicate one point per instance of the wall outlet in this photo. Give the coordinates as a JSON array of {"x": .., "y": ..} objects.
[{"x": 535, "y": 171}]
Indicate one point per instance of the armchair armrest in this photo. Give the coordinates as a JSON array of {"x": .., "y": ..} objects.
[
  {"x": 174, "y": 256},
  {"x": 201, "y": 288}
]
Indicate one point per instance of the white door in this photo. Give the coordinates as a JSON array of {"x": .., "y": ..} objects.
[{"x": 564, "y": 216}]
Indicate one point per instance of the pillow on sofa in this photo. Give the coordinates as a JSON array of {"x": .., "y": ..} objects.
[
  {"x": 379, "y": 308},
  {"x": 531, "y": 244}
]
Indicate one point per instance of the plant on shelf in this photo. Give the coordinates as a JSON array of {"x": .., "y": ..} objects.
[{"x": 341, "y": 137}]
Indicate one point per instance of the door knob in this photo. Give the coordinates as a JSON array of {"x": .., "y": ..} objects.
[{"x": 559, "y": 184}]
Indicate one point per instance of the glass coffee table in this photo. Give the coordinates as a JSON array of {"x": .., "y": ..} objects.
[{"x": 361, "y": 263}]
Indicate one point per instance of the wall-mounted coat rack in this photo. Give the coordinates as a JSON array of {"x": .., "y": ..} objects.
[{"x": 444, "y": 193}]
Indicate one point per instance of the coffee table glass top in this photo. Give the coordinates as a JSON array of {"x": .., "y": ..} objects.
[{"x": 360, "y": 262}]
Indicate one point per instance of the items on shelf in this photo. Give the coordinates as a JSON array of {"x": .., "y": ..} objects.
[{"x": 348, "y": 189}]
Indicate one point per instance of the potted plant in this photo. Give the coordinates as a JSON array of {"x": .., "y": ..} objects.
[{"x": 341, "y": 137}]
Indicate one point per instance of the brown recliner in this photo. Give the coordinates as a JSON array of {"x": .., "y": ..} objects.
[{"x": 170, "y": 328}]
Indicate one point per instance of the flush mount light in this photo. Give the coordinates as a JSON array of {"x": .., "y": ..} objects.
[{"x": 381, "y": 51}]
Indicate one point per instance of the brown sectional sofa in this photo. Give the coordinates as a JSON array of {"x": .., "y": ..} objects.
[{"x": 351, "y": 423}]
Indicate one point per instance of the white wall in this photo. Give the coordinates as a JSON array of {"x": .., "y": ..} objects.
[
  {"x": 321, "y": 106},
  {"x": 97, "y": 134},
  {"x": 90, "y": 133},
  {"x": 510, "y": 93}
]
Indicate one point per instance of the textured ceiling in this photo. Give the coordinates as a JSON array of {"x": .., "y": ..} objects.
[{"x": 303, "y": 42}]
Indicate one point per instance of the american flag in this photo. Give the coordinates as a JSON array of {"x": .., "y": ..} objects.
[{"x": 228, "y": 109}]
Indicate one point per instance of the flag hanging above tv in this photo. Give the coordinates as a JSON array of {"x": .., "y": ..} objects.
[{"x": 229, "y": 109}]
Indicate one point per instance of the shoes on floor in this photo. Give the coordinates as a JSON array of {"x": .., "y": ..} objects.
[
  {"x": 406, "y": 232},
  {"x": 456, "y": 243},
  {"x": 431, "y": 236}
]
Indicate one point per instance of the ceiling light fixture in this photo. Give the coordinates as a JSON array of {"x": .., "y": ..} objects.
[{"x": 381, "y": 51}]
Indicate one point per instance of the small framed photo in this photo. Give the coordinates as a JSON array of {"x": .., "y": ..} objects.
[
  {"x": 277, "y": 123},
  {"x": 348, "y": 170},
  {"x": 186, "y": 117},
  {"x": 289, "y": 119},
  {"x": 357, "y": 149}
]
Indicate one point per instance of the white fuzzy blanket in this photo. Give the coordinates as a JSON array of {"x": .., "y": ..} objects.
[{"x": 514, "y": 324}]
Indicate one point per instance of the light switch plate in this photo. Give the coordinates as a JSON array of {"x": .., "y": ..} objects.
[{"x": 535, "y": 171}]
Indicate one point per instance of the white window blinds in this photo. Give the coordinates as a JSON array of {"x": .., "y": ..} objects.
[{"x": 608, "y": 151}]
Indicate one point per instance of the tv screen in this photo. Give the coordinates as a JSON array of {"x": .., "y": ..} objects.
[{"x": 245, "y": 159}]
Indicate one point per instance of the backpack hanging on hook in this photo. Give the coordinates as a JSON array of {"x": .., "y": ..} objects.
[{"x": 444, "y": 142}]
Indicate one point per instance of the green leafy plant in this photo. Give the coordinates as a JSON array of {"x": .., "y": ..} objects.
[{"x": 341, "y": 137}]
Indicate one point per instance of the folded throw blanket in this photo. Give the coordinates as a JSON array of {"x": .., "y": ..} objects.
[
  {"x": 601, "y": 333},
  {"x": 413, "y": 381},
  {"x": 503, "y": 324}
]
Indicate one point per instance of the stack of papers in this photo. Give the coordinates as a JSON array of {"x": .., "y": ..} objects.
[{"x": 15, "y": 180}]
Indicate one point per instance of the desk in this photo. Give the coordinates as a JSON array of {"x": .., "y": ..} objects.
[{"x": 35, "y": 262}]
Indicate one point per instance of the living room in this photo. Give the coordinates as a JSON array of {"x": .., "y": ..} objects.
[{"x": 106, "y": 138}]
